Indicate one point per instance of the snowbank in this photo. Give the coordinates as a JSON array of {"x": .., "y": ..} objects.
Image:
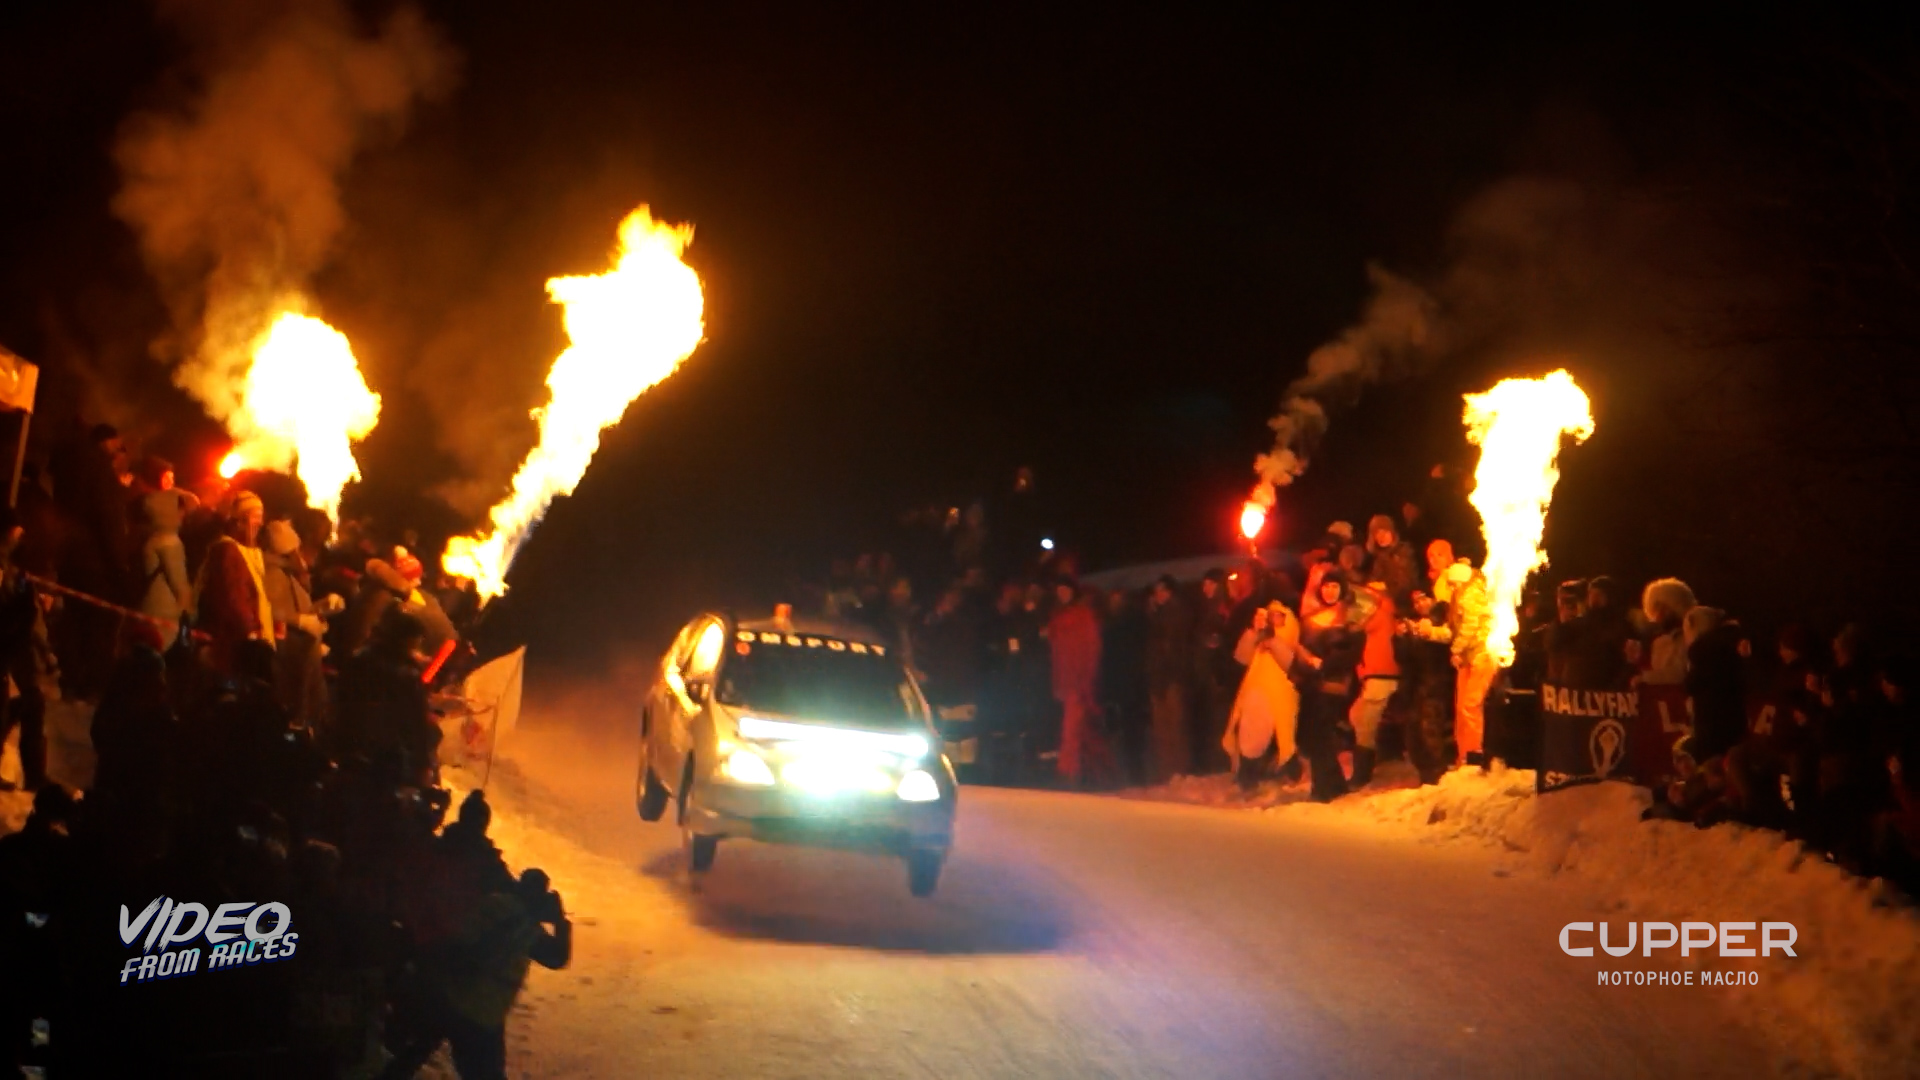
[
  {"x": 1845, "y": 1004},
  {"x": 1218, "y": 789}
]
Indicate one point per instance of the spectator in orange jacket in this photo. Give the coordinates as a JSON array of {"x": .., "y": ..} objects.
[{"x": 1379, "y": 675}]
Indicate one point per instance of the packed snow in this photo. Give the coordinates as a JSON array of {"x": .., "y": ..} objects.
[
  {"x": 1219, "y": 789},
  {"x": 1843, "y": 1005}
]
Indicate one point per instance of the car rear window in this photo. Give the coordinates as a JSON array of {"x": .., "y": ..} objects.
[{"x": 820, "y": 684}]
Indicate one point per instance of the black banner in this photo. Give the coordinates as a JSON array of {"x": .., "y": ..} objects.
[{"x": 1586, "y": 736}]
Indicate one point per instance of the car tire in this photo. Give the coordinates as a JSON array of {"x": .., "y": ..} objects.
[
  {"x": 700, "y": 852},
  {"x": 686, "y": 792},
  {"x": 653, "y": 796},
  {"x": 923, "y": 871}
]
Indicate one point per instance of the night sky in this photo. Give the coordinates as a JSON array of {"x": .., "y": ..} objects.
[{"x": 941, "y": 244}]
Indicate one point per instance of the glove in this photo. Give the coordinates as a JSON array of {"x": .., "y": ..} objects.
[{"x": 330, "y": 604}]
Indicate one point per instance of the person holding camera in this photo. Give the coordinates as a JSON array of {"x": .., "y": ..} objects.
[{"x": 511, "y": 930}]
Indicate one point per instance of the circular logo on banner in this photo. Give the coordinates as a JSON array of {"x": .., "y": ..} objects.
[{"x": 1606, "y": 744}]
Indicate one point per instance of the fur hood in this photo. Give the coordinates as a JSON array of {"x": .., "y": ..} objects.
[
  {"x": 1374, "y": 525},
  {"x": 1668, "y": 595}
]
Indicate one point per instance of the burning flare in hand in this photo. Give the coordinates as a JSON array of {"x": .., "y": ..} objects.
[
  {"x": 303, "y": 402},
  {"x": 629, "y": 328},
  {"x": 1518, "y": 425},
  {"x": 1253, "y": 518}
]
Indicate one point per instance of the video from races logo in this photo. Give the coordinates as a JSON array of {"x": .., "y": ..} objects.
[{"x": 237, "y": 935}]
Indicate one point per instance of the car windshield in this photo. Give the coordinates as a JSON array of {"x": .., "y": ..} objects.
[{"x": 820, "y": 684}]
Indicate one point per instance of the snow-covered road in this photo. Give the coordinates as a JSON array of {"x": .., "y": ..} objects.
[{"x": 1071, "y": 936}]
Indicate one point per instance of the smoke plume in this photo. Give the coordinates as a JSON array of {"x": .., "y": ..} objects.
[
  {"x": 233, "y": 184},
  {"x": 1391, "y": 339}
]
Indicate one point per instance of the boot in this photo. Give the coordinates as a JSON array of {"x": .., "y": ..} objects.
[
  {"x": 1328, "y": 782},
  {"x": 1363, "y": 759}
]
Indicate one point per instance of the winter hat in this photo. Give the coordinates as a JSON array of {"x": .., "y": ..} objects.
[
  {"x": 240, "y": 502},
  {"x": 474, "y": 813},
  {"x": 1341, "y": 529},
  {"x": 279, "y": 537},
  {"x": 409, "y": 566},
  {"x": 1460, "y": 573},
  {"x": 1378, "y": 522}
]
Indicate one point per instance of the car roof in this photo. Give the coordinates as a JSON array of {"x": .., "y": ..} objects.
[{"x": 831, "y": 628}]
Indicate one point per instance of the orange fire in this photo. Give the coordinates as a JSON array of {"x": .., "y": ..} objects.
[
  {"x": 628, "y": 329},
  {"x": 1518, "y": 426},
  {"x": 302, "y": 407},
  {"x": 1253, "y": 518}
]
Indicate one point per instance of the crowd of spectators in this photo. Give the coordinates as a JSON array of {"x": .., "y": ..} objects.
[
  {"x": 261, "y": 685},
  {"x": 1312, "y": 667},
  {"x": 262, "y": 696}
]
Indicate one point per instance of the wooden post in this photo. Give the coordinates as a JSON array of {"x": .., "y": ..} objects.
[{"x": 19, "y": 461}]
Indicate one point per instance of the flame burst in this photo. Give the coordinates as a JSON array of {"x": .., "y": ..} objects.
[
  {"x": 1253, "y": 518},
  {"x": 629, "y": 328},
  {"x": 302, "y": 407},
  {"x": 1518, "y": 426}
]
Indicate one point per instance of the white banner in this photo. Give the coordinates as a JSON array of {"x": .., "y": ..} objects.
[{"x": 485, "y": 711}]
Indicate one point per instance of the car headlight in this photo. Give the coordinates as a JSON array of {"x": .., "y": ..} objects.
[
  {"x": 745, "y": 767},
  {"x": 919, "y": 786},
  {"x": 829, "y": 774}
]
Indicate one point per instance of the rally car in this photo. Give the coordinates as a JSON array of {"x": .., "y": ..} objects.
[{"x": 795, "y": 733}]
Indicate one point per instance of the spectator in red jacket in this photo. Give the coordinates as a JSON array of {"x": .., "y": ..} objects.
[
  {"x": 231, "y": 595},
  {"x": 1073, "y": 635}
]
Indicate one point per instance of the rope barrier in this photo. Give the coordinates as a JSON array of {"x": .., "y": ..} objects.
[{"x": 57, "y": 589}]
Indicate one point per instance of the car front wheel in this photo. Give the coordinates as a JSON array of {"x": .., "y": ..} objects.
[
  {"x": 653, "y": 795},
  {"x": 923, "y": 871}
]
